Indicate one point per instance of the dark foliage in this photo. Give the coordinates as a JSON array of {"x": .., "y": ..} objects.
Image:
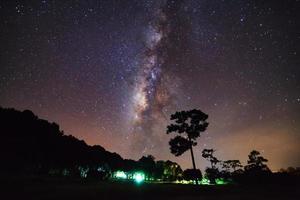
[
  {"x": 34, "y": 146},
  {"x": 167, "y": 171},
  {"x": 147, "y": 164},
  {"x": 212, "y": 174},
  {"x": 191, "y": 174},
  {"x": 256, "y": 171},
  {"x": 256, "y": 163},
  {"x": 189, "y": 125},
  {"x": 191, "y": 122},
  {"x": 179, "y": 145},
  {"x": 208, "y": 154},
  {"x": 231, "y": 165}
]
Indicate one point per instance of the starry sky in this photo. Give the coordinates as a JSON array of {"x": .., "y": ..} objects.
[{"x": 112, "y": 72}]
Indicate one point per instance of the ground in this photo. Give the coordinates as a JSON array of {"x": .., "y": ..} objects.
[{"x": 49, "y": 190}]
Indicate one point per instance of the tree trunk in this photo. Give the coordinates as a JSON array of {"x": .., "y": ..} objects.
[{"x": 193, "y": 159}]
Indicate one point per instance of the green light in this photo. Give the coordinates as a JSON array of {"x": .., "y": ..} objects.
[
  {"x": 205, "y": 181},
  {"x": 139, "y": 177},
  {"x": 221, "y": 181},
  {"x": 183, "y": 182},
  {"x": 120, "y": 174}
]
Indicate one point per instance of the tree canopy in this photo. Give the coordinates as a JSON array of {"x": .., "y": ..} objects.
[{"x": 189, "y": 125}]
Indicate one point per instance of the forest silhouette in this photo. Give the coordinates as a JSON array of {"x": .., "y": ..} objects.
[{"x": 33, "y": 146}]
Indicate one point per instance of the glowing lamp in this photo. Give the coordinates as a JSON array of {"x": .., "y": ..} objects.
[{"x": 139, "y": 177}]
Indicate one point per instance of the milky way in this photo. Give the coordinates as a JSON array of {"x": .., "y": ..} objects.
[
  {"x": 112, "y": 72},
  {"x": 147, "y": 92},
  {"x": 154, "y": 93},
  {"x": 150, "y": 71}
]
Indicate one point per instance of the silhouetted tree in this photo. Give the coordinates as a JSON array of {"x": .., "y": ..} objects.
[
  {"x": 208, "y": 155},
  {"x": 231, "y": 169},
  {"x": 213, "y": 172},
  {"x": 168, "y": 170},
  {"x": 256, "y": 171},
  {"x": 231, "y": 165},
  {"x": 191, "y": 174},
  {"x": 147, "y": 164},
  {"x": 189, "y": 125},
  {"x": 256, "y": 163},
  {"x": 130, "y": 165}
]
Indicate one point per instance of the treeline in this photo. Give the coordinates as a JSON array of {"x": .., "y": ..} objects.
[
  {"x": 255, "y": 171},
  {"x": 187, "y": 125},
  {"x": 34, "y": 146}
]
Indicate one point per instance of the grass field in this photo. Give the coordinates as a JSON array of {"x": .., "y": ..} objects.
[{"x": 118, "y": 190}]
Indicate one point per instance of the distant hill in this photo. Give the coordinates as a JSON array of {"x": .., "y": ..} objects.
[{"x": 30, "y": 144}]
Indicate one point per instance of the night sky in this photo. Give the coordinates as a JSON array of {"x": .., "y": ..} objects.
[{"x": 112, "y": 72}]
